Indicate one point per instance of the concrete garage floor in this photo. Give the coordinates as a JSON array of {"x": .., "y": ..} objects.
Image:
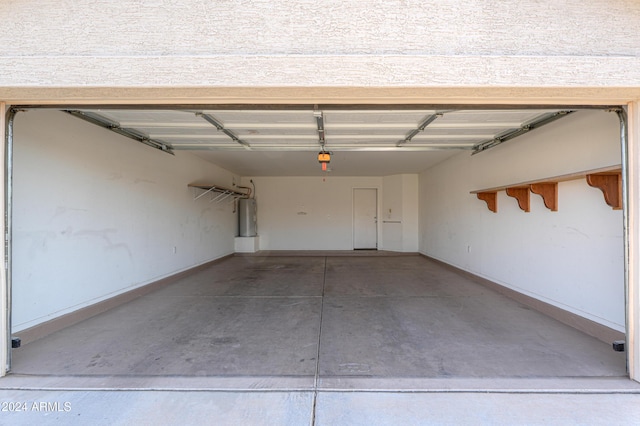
[{"x": 324, "y": 339}]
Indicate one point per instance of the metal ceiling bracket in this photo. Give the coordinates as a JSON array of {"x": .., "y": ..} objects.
[
  {"x": 101, "y": 121},
  {"x": 218, "y": 125},
  {"x": 423, "y": 125},
  {"x": 320, "y": 124},
  {"x": 526, "y": 128}
]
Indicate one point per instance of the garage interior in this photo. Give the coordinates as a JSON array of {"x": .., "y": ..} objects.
[{"x": 311, "y": 300}]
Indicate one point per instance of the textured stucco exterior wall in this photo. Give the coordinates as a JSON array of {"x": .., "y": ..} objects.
[
  {"x": 289, "y": 43},
  {"x": 291, "y": 27}
]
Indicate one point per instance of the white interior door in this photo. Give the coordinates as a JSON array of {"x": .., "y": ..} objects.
[{"x": 365, "y": 218}]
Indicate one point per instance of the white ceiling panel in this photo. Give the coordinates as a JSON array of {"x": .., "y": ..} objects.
[
  {"x": 180, "y": 131},
  {"x": 365, "y": 141},
  {"x": 343, "y": 163},
  {"x": 192, "y": 138},
  {"x": 149, "y": 117},
  {"x": 233, "y": 118},
  {"x": 508, "y": 117},
  {"x": 482, "y": 132},
  {"x": 366, "y": 117},
  {"x": 365, "y": 131},
  {"x": 283, "y": 131}
]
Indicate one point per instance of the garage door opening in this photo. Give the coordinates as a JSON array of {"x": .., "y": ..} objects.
[{"x": 118, "y": 221}]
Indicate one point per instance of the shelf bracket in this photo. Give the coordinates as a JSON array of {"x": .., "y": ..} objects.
[
  {"x": 522, "y": 195},
  {"x": 549, "y": 193},
  {"x": 610, "y": 183},
  {"x": 222, "y": 193},
  {"x": 223, "y": 196},
  {"x": 205, "y": 192},
  {"x": 491, "y": 198},
  {"x": 219, "y": 197}
]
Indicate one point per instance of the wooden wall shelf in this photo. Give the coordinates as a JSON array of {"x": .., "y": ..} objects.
[{"x": 607, "y": 179}]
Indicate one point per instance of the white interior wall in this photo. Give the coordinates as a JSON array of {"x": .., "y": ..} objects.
[
  {"x": 392, "y": 211},
  {"x": 307, "y": 213},
  {"x": 410, "y": 209},
  {"x": 316, "y": 213},
  {"x": 572, "y": 258},
  {"x": 399, "y": 214},
  {"x": 96, "y": 214}
]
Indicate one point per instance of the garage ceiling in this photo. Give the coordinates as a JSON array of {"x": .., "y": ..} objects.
[{"x": 284, "y": 142}]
